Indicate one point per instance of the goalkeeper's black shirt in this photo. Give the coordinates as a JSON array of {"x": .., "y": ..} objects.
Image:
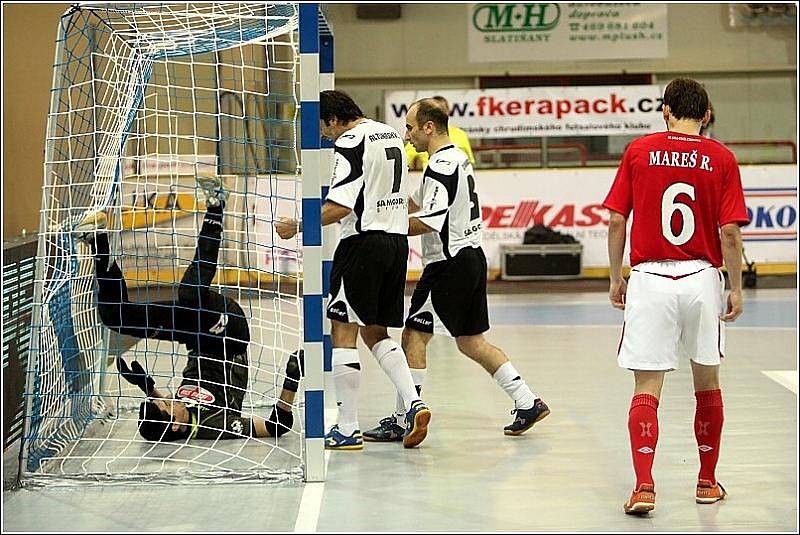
[{"x": 215, "y": 378}]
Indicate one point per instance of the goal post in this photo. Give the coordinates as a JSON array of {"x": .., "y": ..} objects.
[
  {"x": 312, "y": 240},
  {"x": 145, "y": 98}
]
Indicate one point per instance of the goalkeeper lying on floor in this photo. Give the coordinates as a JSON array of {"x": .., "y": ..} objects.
[{"x": 213, "y": 328}]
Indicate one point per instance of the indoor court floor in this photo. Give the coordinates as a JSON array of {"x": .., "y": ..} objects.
[{"x": 571, "y": 472}]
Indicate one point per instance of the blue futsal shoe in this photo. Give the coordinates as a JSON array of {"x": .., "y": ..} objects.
[
  {"x": 417, "y": 420},
  {"x": 335, "y": 440}
]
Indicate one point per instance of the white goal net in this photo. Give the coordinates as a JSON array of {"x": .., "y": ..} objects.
[{"x": 146, "y": 97}]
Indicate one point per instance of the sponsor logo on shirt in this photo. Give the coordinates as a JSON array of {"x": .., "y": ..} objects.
[
  {"x": 391, "y": 203},
  {"x": 472, "y": 230},
  {"x": 196, "y": 394}
]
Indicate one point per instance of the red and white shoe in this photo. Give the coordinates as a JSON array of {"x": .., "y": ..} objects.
[
  {"x": 642, "y": 501},
  {"x": 708, "y": 492}
]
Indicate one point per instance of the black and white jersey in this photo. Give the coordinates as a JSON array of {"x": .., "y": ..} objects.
[
  {"x": 449, "y": 205},
  {"x": 370, "y": 176}
]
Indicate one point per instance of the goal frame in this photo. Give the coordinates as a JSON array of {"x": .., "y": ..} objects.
[{"x": 314, "y": 35}]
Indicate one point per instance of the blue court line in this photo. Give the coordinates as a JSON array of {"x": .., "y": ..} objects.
[{"x": 756, "y": 314}]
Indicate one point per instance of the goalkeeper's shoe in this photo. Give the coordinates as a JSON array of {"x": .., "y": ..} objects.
[
  {"x": 708, "y": 492},
  {"x": 417, "y": 420},
  {"x": 92, "y": 223},
  {"x": 213, "y": 189},
  {"x": 335, "y": 440},
  {"x": 642, "y": 500},
  {"x": 387, "y": 430},
  {"x": 526, "y": 418}
]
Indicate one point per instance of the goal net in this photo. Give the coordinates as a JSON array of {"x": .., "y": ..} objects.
[{"x": 145, "y": 98}]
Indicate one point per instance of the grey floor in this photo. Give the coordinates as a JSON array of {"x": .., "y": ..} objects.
[{"x": 570, "y": 473}]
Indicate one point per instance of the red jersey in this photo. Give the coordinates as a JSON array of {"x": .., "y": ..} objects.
[{"x": 682, "y": 189}]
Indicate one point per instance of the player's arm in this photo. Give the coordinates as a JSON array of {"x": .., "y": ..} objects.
[
  {"x": 136, "y": 375},
  {"x": 415, "y": 199},
  {"x": 617, "y": 235},
  {"x": 348, "y": 177},
  {"x": 731, "y": 240},
  {"x": 331, "y": 213},
  {"x": 430, "y": 203},
  {"x": 417, "y": 227}
]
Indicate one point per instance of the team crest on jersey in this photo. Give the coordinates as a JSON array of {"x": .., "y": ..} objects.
[
  {"x": 237, "y": 427},
  {"x": 196, "y": 394}
]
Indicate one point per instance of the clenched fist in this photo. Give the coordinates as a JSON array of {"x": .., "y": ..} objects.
[{"x": 287, "y": 228}]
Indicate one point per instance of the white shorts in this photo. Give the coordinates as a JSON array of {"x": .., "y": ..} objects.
[{"x": 672, "y": 310}]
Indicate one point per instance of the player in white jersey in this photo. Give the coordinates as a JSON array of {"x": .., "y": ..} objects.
[
  {"x": 368, "y": 196},
  {"x": 450, "y": 297}
]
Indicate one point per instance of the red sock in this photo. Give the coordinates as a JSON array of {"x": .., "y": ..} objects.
[
  {"x": 708, "y": 418},
  {"x": 643, "y": 430}
]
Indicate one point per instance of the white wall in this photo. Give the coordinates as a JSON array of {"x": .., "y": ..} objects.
[{"x": 750, "y": 72}]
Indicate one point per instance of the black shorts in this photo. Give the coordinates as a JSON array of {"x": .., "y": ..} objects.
[
  {"x": 368, "y": 279},
  {"x": 450, "y": 297}
]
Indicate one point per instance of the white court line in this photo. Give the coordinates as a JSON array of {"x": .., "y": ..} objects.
[
  {"x": 610, "y": 326},
  {"x": 311, "y": 501},
  {"x": 787, "y": 378}
]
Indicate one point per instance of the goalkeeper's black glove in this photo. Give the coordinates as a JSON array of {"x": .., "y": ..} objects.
[{"x": 138, "y": 376}]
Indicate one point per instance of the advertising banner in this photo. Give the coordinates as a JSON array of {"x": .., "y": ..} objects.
[
  {"x": 569, "y": 201},
  {"x": 542, "y": 111},
  {"x": 558, "y": 32}
]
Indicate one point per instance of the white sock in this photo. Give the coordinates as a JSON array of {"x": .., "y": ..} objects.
[
  {"x": 515, "y": 386},
  {"x": 347, "y": 381},
  {"x": 418, "y": 375},
  {"x": 391, "y": 358}
]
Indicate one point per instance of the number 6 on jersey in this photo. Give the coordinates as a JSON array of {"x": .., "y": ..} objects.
[{"x": 669, "y": 205}]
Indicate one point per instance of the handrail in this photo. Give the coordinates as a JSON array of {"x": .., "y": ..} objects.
[
  {"x": 585, "y": 153},
  {"x": 779, "y": 143},
  {"x": 581, "y": 148}
]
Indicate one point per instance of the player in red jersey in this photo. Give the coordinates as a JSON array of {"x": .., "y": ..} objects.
[{"x": 685, "y": 194}]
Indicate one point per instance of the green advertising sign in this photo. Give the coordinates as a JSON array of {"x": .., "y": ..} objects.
[{"x": 555, "y": 32}]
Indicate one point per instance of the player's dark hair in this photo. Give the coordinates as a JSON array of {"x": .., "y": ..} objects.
[
  {"x": 442, "y": 101},
  {"x": 338, "y": 104},
  {"x": 430, "y": 110},
  {"x": 156, "y": 426},
  {"x": 686, "y": 98}
]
